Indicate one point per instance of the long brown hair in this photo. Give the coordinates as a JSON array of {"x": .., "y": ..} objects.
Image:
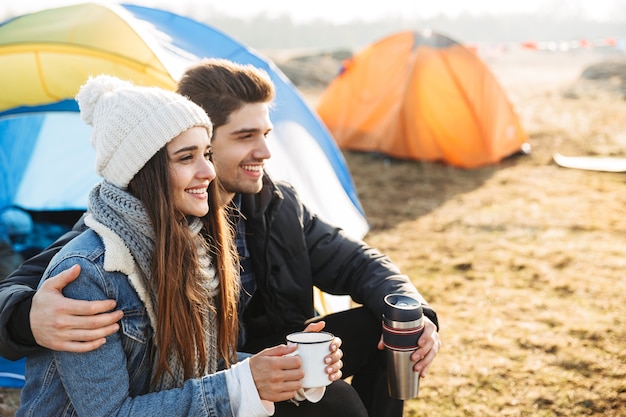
[{"x": 181, "y": 296}]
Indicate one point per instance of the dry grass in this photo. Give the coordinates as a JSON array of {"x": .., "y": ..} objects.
[{"x": 524, "y": 261}]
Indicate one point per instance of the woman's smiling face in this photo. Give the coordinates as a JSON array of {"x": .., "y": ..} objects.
[{"x": 191, "y": 170}]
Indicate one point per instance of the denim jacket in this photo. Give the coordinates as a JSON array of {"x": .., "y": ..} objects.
[{"x": 115, "y": 378}]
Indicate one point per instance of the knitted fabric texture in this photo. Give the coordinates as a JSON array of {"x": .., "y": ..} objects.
[
  {"x": 130, "y": 124},
  {"x": 124, "y": 214}
]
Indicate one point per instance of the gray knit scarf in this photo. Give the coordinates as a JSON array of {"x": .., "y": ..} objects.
[{"x": 125, "y": 215}]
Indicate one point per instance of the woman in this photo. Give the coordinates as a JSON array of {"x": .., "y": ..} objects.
[{"x": 146, "y": 247}]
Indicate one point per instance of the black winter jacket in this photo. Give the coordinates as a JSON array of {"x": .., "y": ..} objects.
[
  {"x": 291, "y": 249},
  {"x": 16, "y": 296}
]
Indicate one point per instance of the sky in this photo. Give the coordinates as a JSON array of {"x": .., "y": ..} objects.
[{"x": 343, "y": 11}]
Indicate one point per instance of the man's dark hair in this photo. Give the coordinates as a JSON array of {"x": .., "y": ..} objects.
[{"x": 221, "y": 87}]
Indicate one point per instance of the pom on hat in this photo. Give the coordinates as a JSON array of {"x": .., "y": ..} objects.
[
  {"x": 91, "y": 92},
  {"x": 130, "y": 124}
]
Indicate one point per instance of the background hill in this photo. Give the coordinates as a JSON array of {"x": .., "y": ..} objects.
[
  {"x": 556, "y": 21},
  {"x": 282, "y": 33}
]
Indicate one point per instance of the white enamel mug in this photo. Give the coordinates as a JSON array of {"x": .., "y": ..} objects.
[{"x": 312, "y": 349}]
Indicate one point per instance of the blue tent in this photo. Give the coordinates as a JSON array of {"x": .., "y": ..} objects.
[
  {"x": 44, "y": 148},
  {"x": 11, "y": 373},
  {"x": 46, "y": 161}
]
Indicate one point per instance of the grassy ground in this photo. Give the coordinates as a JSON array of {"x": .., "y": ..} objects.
[{"x": 524, "y": 261}]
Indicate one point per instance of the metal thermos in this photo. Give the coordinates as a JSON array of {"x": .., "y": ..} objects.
[{"x": 403, "y": 324}]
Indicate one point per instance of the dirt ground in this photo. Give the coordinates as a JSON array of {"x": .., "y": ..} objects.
[{"x": 523, "y": 261}]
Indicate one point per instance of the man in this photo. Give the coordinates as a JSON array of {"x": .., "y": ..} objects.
[{"x": 284, "y": 248}]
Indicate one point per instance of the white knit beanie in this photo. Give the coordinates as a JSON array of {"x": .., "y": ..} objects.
[{"x": 130, "y": 124}]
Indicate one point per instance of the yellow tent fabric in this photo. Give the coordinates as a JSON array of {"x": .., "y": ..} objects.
[
  {"x": 46, "y": 56},
  {"x": 423, "y": 96}
]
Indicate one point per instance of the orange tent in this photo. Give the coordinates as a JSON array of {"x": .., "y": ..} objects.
[{"x": 421, "y": 96}]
